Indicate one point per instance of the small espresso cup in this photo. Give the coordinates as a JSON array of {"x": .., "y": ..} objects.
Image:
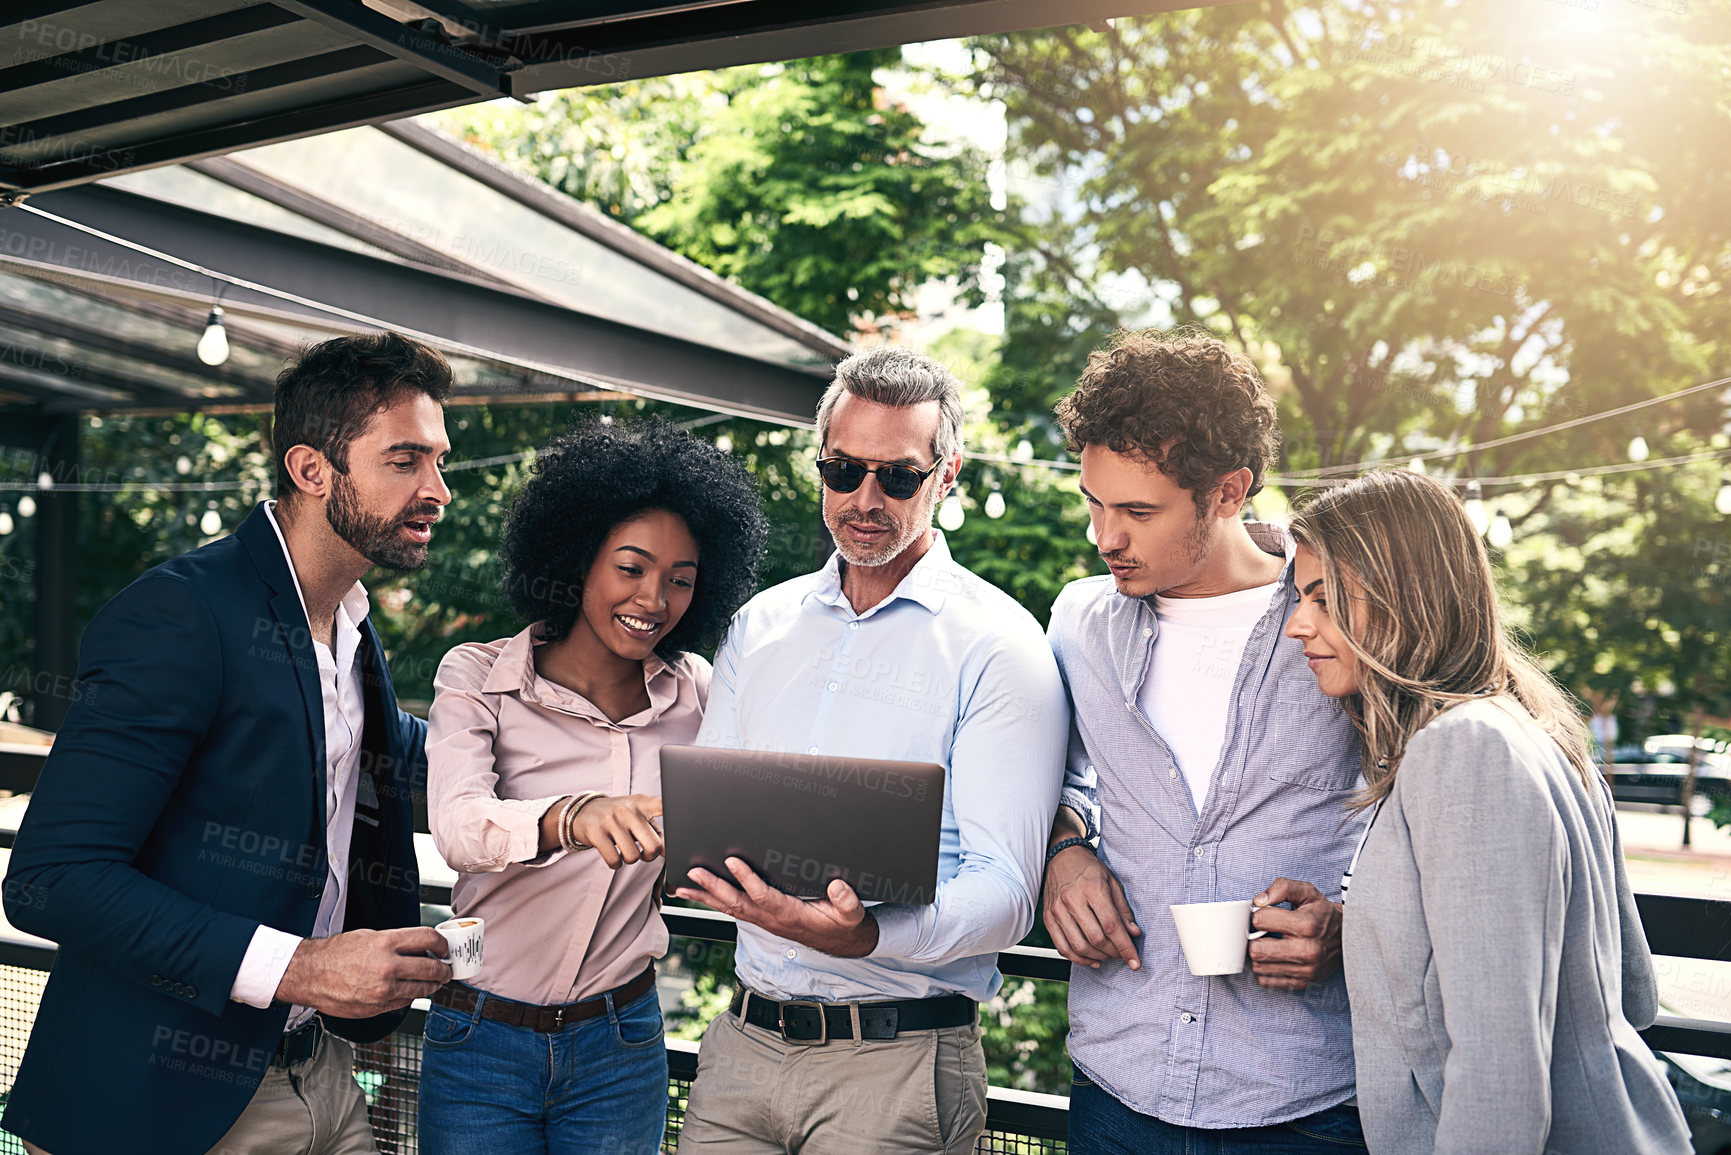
[
  {"x": 1215, "y": 935},
  {"x": 464, "y": 937}
]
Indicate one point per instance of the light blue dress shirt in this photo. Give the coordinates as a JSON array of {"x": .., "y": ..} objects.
[
  {"x": 1218, "y": 1051},
  {"x": 948, "y": 669}
]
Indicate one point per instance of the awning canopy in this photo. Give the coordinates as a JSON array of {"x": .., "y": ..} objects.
[
  {"x": 96, "y": 89},
  {"x": 529, "y": 292}
]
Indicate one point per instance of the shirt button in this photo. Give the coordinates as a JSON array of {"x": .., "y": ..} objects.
[
  {"x": 1186, "y": 1017},
  {"x": 1171, "y": 773},
  {"x": 813, "y": 750},
  {"x": 832, "y": 687},
  {"x": 1147, "y": 631},
  {"x": 789, "y": 953},
  {"x": 1198, "y": 852},
  {"x": 853, "y": 625}
]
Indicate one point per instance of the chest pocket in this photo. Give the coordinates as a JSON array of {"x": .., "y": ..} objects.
[{"x": 1317, "y": 746}]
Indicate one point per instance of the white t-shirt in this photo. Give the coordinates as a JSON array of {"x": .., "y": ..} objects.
[{"x": 1188, "y": 690}]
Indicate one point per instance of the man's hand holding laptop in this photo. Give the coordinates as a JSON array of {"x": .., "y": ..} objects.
[{"x": 839, "y": 925}]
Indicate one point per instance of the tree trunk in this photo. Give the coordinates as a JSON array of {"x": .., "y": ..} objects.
[{"x": 1689, "y": 778}]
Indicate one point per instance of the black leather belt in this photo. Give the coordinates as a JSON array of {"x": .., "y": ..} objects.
[
  {"x": 802, "y": 1021},
  {"x": 300, "y": 1044}
]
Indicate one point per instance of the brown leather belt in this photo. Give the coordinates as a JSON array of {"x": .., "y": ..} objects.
[{"x": 547, "y": 1020}]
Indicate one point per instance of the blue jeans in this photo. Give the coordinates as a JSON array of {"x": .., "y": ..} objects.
[
  {"x": 597, "y": 1085},
  {"x": 1101, "y": 1125}
]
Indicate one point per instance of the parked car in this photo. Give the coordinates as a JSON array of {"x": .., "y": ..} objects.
[
  {"x": 1655, "y": 770},
  {"x": 1704, "y": 1088}
]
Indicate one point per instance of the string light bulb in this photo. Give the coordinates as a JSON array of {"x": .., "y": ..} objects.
[
  {"x": 6, "y": 526},
  {"x": 1502, "y": 531},
  {"x": 951, "y": 515},
  {"x": 1722, "y": 503},
  {"x": 1638, "y": 451},
  {"x": 26, "y": 506},
  {"x": 1416, "y": 465},
  {"x": 1475, "y": 508},
  {"x": 994, "y": 504},
  {"x": 211, "y": 523},
  {"x": 1093, "y": 538},
  {"x": 213, "y": 346}
]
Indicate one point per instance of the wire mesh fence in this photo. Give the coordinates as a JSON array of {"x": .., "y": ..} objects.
[{"x": 389, "y": 1071}]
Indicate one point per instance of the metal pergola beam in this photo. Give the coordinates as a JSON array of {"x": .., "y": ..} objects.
[
  {"x": 509, "y": 325},
  {"x": 562, "y": 53},
  {"x": 102, "y": 341}
]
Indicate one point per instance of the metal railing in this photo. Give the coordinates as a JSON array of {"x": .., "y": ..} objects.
[{"x": 1017, "y": 1122}]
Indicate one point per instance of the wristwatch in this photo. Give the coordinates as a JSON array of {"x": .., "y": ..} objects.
[{"x": 1054, "y": 850}]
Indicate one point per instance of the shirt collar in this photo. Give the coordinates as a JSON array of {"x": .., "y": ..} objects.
[
  {"x": 354, "y": 604},
  {"x": 514, "y": 672},
  {"x": 928, "y": 583}
]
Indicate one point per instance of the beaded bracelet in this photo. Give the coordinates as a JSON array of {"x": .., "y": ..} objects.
[{"x": 1059, "y": 847}]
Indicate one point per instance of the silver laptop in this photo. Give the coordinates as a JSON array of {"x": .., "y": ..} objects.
[{"x": 801, "y": 820}]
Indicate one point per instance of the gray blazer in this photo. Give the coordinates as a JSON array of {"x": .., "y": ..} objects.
[{"x": 1495, "y": 959}]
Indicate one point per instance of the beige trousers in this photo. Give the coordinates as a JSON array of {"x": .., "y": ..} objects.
[
  {"x": 924, "y": 1091},
  {"x": 314, "y": 1108}
]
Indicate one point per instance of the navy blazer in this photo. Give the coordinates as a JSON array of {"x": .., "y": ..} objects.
[{"x": 182, "y": 805}]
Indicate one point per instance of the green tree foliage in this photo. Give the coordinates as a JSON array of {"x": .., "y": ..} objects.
[
  {"x": 799, "y": 181},
  {"x": 1438, "y": 221}
]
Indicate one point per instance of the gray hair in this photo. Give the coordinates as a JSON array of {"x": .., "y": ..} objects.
[{"x": 898, "y": 377}]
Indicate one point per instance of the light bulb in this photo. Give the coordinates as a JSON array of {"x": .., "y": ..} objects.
[
  {"x": 211, "y": 523},
  {"x": 183, "y": 465},
  {"x": 1093, "y": 538},
  {"x": 1502, "y": 531},
  {"x": 26, "y": 506},
  {"x": 1024, "y": 450},
  {"x": 994, "y": 504},
  {"x": 213, "y": 346},
  {"x": 1416, "y": 465},
  {"x": 1475, "y": 507},
  {"x": 1638, "y": 448},
  {"x": 724, "y": 443},
  {"x": 950, "y": 513},
  {"x": 45, "y": 481},
  {"x": 6, "y": 526},
  {"x": 1722, "y": 503}
]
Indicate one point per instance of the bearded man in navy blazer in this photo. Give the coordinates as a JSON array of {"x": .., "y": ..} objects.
[{"x": 222, "y": 840}]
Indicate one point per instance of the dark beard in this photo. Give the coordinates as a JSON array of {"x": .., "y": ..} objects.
[{"x": 378, "y": 539}]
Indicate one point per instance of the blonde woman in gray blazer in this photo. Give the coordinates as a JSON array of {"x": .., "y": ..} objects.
[{"x": 1494, "y": 958}]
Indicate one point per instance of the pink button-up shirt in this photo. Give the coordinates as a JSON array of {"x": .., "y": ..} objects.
[{"x": 503, "y": 745}]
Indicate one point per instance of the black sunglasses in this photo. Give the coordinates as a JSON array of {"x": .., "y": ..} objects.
[{"x": 845, "y": 474}]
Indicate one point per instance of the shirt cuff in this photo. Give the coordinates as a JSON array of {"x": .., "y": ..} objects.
[
  {"x": 263, "y": 966},
  {"x": 536, "y": 856},
  {"x": 898, "y": 931},
  {"x": 1078, "y": 802}
]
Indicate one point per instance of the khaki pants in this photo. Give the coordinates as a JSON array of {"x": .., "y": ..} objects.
[
  {"x": 924, "y": 1091},
  {"x": 314, "y": 1108}
]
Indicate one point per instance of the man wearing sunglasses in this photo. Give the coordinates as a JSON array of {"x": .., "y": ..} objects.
[{"x": 892, "y": 650}]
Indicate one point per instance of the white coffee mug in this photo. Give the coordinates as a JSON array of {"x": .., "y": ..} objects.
[
  {"x": 464, "y": 937},
  {"x": 1215, "y": 935}
]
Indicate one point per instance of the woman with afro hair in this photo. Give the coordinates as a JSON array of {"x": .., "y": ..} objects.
[{"x": 629, "y": 549}]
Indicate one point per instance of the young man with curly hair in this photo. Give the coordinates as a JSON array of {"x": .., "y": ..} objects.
[
  {"x": 891, "y": 650},
  {"x": 1204, "y": 765}
]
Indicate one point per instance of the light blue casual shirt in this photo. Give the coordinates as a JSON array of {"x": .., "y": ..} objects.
[
  {"x": 1219, "y": 1051},
  {"x": 948, "y": 669}
]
